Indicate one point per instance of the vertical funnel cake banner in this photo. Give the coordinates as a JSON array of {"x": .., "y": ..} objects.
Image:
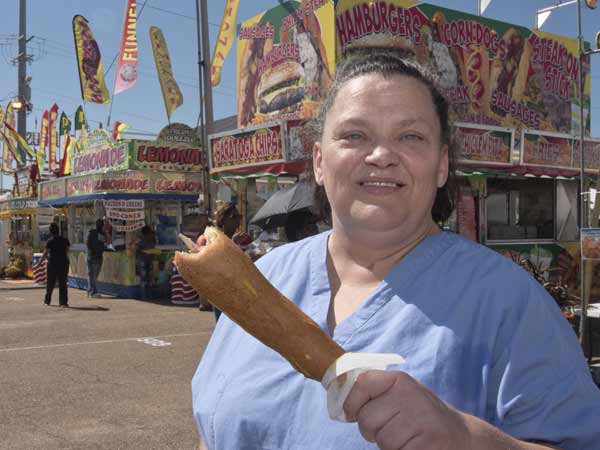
[
  {"x": 492, "y": 72},
  {"x": 224, "y": 40},
  {"x": 170, "y": 90},
  {"x": 126, "y": 75},
  {"x": 285, "y": 62},
  {"x": 89, "y": 62}
]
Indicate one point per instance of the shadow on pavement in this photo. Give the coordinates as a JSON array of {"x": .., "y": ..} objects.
[{"x": 85, "y": 308}]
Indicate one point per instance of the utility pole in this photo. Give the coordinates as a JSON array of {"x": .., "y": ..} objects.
[
  {"x": 206, "y": 103},
  {"x": 24, "y": 95}
]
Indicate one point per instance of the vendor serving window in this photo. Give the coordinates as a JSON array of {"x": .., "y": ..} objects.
[{"x": 520, "y": 209}]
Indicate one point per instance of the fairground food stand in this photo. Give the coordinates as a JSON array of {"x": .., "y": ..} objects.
[
  {"x": 513, "y": 98},
  {"x": 130, "y": 184},
  {"x": 25, "y": 225}
]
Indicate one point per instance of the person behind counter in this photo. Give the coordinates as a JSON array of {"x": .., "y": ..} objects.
[
  {"x": 490, "y": 361},
  {"x": 143, "y": 260},
  {"x": 95, "y": 244},
  {"x": 57, "y": 266}
]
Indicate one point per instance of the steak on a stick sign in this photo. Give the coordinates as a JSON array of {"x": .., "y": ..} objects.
[
  {"x": 285, "y": 62},
  {"x": 492, "y": 72},
  {"x": 482, "y": 144},
  {"x": 251, "y": 147}
]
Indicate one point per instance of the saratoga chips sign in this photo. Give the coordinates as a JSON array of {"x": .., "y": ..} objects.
[
  {"x": 253, "y": 146},
  {"x": 285, "y": 62},
  {"x": 492, "y": 72}
]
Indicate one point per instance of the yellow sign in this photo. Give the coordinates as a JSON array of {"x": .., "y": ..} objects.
[
  {"x": 285, "y": 62},
  {"x": 224, "y": 40},
  {"x": 89, "y": 60},
  {"x": 170, "y": 90}
]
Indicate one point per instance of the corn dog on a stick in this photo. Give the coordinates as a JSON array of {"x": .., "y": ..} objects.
[{"x": 230, "y": 281}]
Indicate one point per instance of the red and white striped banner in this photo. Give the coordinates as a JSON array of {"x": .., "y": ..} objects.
[
  {"x": 181, "y": 292},
  {"x": 39, "y": 272}
]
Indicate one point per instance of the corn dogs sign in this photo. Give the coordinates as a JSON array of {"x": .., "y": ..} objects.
[{"x": 492, "y": 72}]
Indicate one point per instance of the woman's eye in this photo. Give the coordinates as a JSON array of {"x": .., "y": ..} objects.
[
  {"x": 354, "y": 136},
  {"x": 411, "y": 137}
]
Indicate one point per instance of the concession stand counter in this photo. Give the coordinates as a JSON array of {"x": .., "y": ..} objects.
[{"x": 129, "y": 183}]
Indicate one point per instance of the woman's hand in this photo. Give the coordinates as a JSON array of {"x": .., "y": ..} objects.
[{"x": 398, "y": 413}]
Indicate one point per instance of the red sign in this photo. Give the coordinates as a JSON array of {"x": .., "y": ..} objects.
[
  {"x": 180, "y": 186},
  {"x": 591, "y": 155},
  {"x": 546, "y": 150},
  {"x": 482, "y": 144},
  {"x": 248, "y": 148},
  {"x": 167, "y": 157},
  {"x": 53, "y": 189}
]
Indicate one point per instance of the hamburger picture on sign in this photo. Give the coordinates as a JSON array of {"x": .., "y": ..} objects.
[{"x": 285, "y": 59}]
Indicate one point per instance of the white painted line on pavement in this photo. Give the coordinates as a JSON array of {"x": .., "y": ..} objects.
[
  {"x": 110, "y": 341},
  {"x": 13, "y": 298}
]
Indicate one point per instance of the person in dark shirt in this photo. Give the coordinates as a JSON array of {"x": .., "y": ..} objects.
[
  {"x": 95, "y": 248},
  {"x": 143, "y": 262},
  {"x": 57, "y": 267}
]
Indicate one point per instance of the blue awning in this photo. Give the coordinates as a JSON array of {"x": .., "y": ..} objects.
[{"x": 123, "y": 196}]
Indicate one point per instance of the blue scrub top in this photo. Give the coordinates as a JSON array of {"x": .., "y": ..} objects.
[{"x": 473, "y": 327}]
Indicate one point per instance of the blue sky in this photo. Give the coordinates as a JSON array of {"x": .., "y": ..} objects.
[{"x": 55, "y": 78}]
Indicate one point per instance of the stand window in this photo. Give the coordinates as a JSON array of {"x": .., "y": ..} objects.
[{"x": 520, "y": 209}]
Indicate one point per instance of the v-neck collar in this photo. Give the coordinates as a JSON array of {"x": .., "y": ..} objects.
[{"x": 400, "y": 275}]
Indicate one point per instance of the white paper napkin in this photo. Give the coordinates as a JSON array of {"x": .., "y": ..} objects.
[{"x": 341, "y": 375}]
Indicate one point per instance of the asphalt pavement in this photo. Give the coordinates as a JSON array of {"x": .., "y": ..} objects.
[{"x": 104, "y": 374}]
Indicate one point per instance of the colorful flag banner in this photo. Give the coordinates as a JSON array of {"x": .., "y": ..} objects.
[
  {"x": 64, "y": 126},
  {"x": 89, "y": 62},
  {"x": 20, "y": 141},
  {"x": 65, "y": 162},
  {"x": 224, "y": 40},
  {"x": 52, "y": 144},
  {"x": 12, "y": 147},
  {"x": 120, "y": 127},
  {"x": 41, "y": 153},
  {"x": 170, "y": 90},
  {"x": 10, "y": 119},
  {"x": 81, "y": 126},
  {"x": 3, "y": 145},
  {"x": 126, "y": 75}
]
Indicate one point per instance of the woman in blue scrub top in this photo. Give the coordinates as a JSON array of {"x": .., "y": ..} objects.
[{"x": 490, "y": 361}]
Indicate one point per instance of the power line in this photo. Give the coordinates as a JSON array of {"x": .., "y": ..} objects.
[{"x": 174, "y": 13}]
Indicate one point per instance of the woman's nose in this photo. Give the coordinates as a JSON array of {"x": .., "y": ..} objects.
[{"x": 382, "y": 156}]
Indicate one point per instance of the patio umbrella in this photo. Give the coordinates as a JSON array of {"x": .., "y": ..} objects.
[{"x": 276, "y": 210}]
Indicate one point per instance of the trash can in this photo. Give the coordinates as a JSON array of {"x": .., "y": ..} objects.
[{"x": 39, "y": 268}]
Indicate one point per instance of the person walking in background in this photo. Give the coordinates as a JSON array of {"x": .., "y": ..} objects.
[
  {"x": 143, "y": 260},
  {"x": 95, "y": 248},
  {"x": 57, "y": 267}
]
